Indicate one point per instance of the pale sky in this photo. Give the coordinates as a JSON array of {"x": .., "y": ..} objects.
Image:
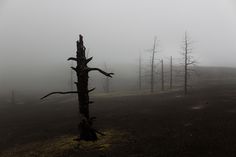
[{"x": 40, "y": 34}]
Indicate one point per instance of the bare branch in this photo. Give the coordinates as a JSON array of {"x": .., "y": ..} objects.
[
  {"x": 70, "y": 92},
  {"x": 72, "y": 59},
  {"x": 88, "y": 60},
  {"x": 101, "y": 71},
  {"x": 91, "y": 90},
  {"x": 191, "y": 63},
  {"x": 75, "y": 69}
]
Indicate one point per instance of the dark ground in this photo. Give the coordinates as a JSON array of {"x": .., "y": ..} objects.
[{"x": 166, "y": 124}]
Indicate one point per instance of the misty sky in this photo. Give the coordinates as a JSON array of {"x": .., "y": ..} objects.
[{"x": 37, "y": 34}]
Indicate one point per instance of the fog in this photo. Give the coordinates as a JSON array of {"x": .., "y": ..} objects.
[
  {"x": 131, "y": 99},
  {"x": 37, "y": 36}
]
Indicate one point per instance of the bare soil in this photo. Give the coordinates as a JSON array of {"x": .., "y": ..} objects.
[{"x": 201, "y": 124}]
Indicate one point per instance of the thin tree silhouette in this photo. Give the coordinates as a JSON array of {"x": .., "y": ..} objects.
[{"x": 188, "y": 60}]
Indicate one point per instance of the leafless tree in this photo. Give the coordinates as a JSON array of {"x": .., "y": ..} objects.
[
  {"x": 86, "y": 131},
  {"x": 152, "y": 64},
  {"x": 188, "y": 60}
]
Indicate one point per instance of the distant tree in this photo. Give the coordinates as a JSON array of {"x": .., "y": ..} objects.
[
  {"x": 152, "y": 64},
  {"x": 188, "y": 60},
  {"x": 86, "y": 131}
]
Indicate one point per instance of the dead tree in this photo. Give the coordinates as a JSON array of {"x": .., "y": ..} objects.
[
  {"x": 162, "y": 76},
  {"x": 152, "y": 65},
  {"x": 86, "y": 131},
  {"x": 171, "y": 72},
  {"x": 188, "y": 61}
]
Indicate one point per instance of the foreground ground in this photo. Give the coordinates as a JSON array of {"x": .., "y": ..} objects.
[{"x": 161, "y": 124}]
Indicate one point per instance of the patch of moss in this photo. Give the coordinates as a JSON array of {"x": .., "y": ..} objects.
[{"x": 65, "y": 145}]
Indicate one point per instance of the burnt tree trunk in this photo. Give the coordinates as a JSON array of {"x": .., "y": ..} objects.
[
  {"x": 85, "y": 126},
  {"x": 86, "y": 131}
]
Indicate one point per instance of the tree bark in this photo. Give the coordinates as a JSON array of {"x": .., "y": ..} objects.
[{"x": 85, "y": 126}]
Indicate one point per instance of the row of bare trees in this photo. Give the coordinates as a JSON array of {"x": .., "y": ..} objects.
[{"x": 187, "y": 61}]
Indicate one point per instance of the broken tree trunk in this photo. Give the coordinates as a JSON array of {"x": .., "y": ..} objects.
[{"x": 86, "y": 131}]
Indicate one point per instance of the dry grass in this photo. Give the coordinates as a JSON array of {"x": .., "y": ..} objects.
[{"x": 65, "y": 146}]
